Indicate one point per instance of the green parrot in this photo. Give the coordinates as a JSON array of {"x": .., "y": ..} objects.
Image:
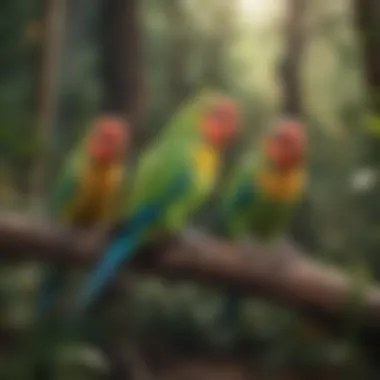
[
  {"x": 86, "y": 196},
  {"x": 181, "y": 125},
  {"x": 173, "y": 178},
  {"x": 263, "y": 192}
]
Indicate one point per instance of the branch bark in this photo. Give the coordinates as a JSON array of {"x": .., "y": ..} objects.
[{"x": 317, "y": 291}]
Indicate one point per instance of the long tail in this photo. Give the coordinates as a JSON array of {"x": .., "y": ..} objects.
[
  {"x": 120, "y": 250},
  {"x": 128, "y": 237},
  {"x": 230, "y": 314}
]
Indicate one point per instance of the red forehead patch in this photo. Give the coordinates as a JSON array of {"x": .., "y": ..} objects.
[
  {"x": 292, "y": 129},
  {"x": 225, "y": 111},
  {"x": 226, "y": 105},
  {"x": 112, "y": 126}
]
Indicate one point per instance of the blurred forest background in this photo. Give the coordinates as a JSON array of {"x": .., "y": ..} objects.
[{"x": 64, "y": 61}]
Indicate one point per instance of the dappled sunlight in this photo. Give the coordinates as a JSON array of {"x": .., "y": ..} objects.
[
  {"x": 261, "y": 12},
  {"x": 187, "y": 183}
]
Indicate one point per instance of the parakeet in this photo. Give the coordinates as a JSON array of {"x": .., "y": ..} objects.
[
  {"x": 264, "y": 190},
  {"x": 181, "y": 125},
  {"x": 88, "y": 192},
  {"x": 173, "y": 179}
]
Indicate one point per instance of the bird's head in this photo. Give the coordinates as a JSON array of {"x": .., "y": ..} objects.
[
  {"x": 220, "y": 122},
  {"x": 286, "y": 147},
  {"x": 108, "y": 140}
]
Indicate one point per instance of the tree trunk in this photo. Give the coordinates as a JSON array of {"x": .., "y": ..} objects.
[
  {"x": 122, "y": 66},
  {"x": 123, "y": 94},
  {"x": 79, "y": 41},
  {"x": 292, "y": 104},
  {"x": 53, "y": 20},
  {"x": 367, "y": 17},
  {"x": 218, "y": 42},
  {"x": 302, "y": 229},
  {"x": 290, "y": 67},
  {"x": 180, "y": 52},
  {"x": 367, "y": 14}
]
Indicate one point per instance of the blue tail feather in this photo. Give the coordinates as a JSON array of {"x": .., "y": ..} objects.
[
  {"x": 120, "y": 251},
  {"x": 127, "y": 239}
]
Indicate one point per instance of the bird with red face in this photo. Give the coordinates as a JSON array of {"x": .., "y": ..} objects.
[
  {"x": 174, "y": 177},
  {"x": 88, "y": 192},
  {"x": 218, "y": 108},
  {"x": 264, "y": 191},
  {"x": 87, "y": 196},
  {"x": 268, "y": 184}
]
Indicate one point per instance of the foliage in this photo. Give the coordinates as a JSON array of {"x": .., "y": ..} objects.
[{"x": 246, "y": 57}]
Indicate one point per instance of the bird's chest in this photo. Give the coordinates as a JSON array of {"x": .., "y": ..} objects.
[
  {"x": 206, "y": 165},
  {"x": 274, "y": 199},
  {"x": 280, "y": 187},
  {"x": 96, "y": 194},
  {"x": 203, "y": 167}
]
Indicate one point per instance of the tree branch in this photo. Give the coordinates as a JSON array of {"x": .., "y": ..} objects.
[{"x": 285, "y": 276}]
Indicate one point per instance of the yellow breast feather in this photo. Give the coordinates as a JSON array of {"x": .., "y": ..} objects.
[
  {"x": 97, "y": 197},
  {"x": 207, "y": 161},
  {"x": 282, "y": 187}
]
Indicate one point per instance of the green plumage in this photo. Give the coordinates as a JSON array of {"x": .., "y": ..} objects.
[
  {"x": 161, "y": 170},
  {"x": 174, "y": 176},
  {"x": 85, "y": 196},
  {"x": 184, "y": 123},
  {"x": 248, "y": 210},
  {"x": 172, "y": 158},
  {"x": 54, "y": 276},
  {"x": 64, "y": 192},
  {"x": 67, "y": 182}
]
